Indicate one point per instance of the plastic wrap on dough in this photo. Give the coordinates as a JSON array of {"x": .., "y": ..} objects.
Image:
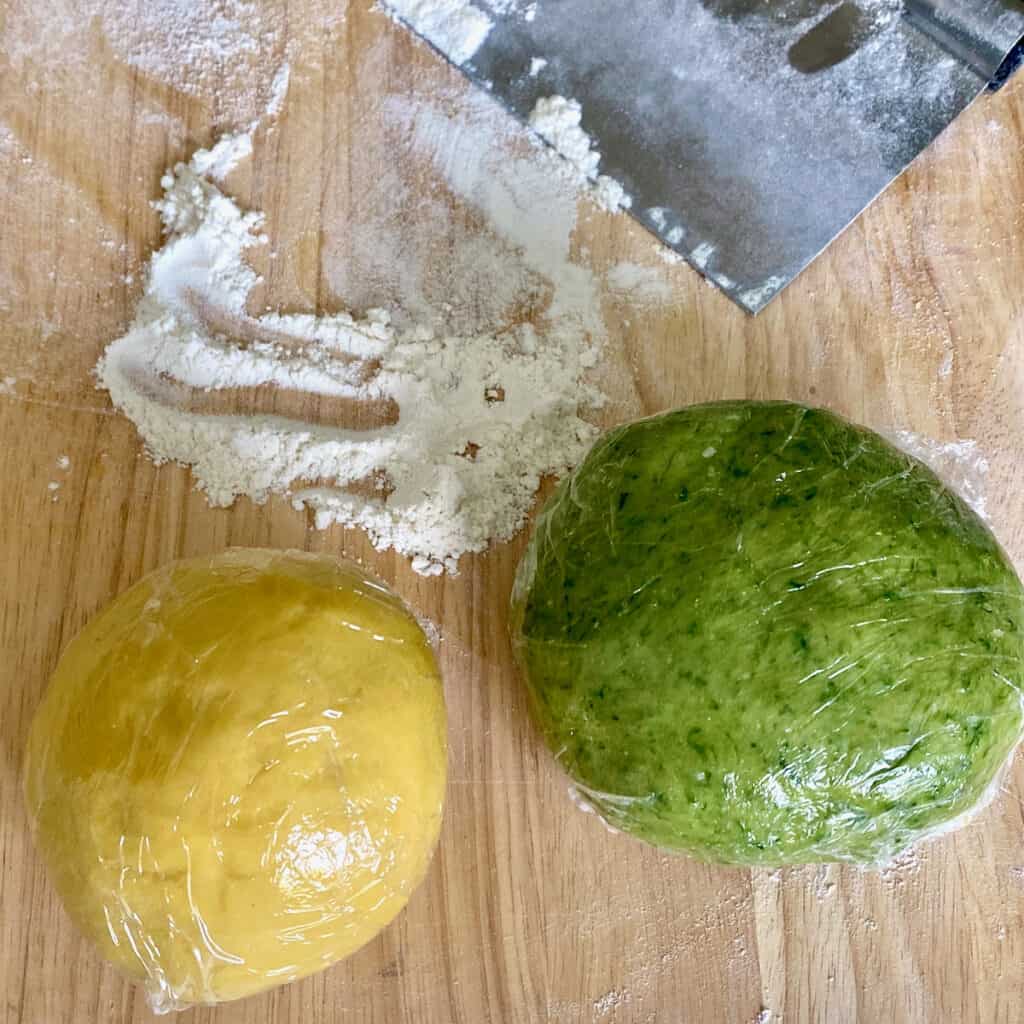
[
  {"x": 756, "y": 633},
  {"x": 236, "y": 775}
]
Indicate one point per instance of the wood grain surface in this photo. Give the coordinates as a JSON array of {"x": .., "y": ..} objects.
[{"x": 532, "y": 911}]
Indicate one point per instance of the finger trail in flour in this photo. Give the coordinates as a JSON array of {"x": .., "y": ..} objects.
[{"x": 481, "y": 418}]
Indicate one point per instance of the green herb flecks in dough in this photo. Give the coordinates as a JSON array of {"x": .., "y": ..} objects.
[{"x": 759, "y": 634}]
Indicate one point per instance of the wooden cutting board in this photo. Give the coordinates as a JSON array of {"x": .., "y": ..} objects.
[{"x": 532, "y": 910}]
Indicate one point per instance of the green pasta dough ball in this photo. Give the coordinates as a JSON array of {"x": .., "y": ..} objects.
[{"x": 756, "y": 633}]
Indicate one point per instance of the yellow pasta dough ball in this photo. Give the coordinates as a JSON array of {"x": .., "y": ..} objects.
[{"x": 237, "y": 773}]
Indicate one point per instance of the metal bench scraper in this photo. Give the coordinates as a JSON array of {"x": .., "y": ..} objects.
[{"x": 747, "y": 133}]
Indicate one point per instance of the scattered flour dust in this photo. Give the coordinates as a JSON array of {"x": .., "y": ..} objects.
[
  {"x": 197, "y": 48},
  {"x": 611, "y": 1001},
  {"x": 480, "y": 418},
  {"x": 644, "y": 285},
  {"x": 559, "y": 121},
  {"x": 230, "y": 51},
  {"x": 457, "y": 28},
  {"x": 490, "y": 245},
  {"x": 667, "y": 255}
]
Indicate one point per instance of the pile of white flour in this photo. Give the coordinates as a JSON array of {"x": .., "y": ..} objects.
[
  {"x": 558, "y": 121},
  {"x": 480, "y": 419}
]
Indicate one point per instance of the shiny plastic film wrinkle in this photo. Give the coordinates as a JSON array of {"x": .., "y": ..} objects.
[
  {"x": 236, "y": 775},
  {"x": 758, "y": 634}
]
